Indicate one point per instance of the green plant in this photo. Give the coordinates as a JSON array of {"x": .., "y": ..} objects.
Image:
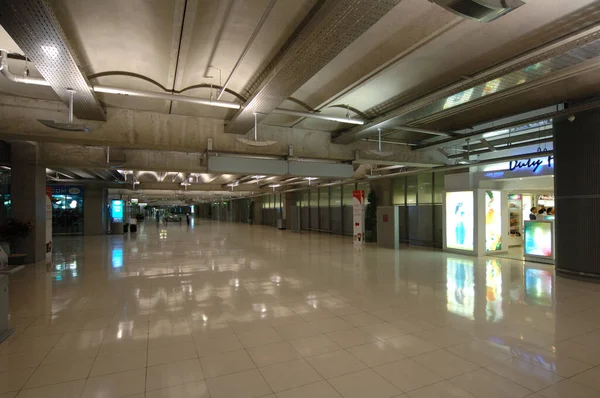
[
  {"x": 251, "y": 211},
  {"x": 371, "y": 217},
  {"x": 139, "y": 217},
  {"x": 14, "y": 230}
]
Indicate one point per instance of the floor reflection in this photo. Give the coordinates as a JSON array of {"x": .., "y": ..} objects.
[{"x": 207, "y": 297}]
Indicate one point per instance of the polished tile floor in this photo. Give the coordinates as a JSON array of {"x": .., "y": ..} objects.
[{"x": 234, "y": 311}]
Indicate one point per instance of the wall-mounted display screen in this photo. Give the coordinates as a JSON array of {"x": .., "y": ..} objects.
[
  {"x": 459, "y": 220},
  {"x": 538, "y": 238},
  {"x": 493, "y": 221},
  {"x": 460, "y": 287},
  {"x": 116, "y": 211}
]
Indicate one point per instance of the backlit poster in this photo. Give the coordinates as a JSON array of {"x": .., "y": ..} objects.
[
  {"x": 459, "y": 220},
  {"x": 493, "y": 221},
  {"x": 358, "y": 211},
  {"x": 538, "y": 238},
  {"x": 460, "y": 287},
  {"x": 116, "y": 211}
]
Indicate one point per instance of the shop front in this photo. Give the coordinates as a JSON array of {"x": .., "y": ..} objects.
[
  {"x": 505, "y": 209},
  {"x": 67, "y": 210}
]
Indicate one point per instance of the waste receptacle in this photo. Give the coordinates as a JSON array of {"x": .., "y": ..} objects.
[
  {"x": 133, "y": 228},
  {"x": 281, "y": 223},
  {"x": 125, "y": 228}
]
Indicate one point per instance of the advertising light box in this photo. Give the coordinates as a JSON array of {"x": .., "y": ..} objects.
[
  {"x": 116, "y": 211},
  {"x": 538, "y": 239},
  {"x": 460, "y": 220},
  {"x": 493, "y": 221}
]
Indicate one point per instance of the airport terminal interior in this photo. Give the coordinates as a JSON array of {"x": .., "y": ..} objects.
[{"x": 299, "y": 198}]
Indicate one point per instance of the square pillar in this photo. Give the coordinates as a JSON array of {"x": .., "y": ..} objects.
[
  {"x": 28, "y": 198},
  {"x": 94, "y": 211}
]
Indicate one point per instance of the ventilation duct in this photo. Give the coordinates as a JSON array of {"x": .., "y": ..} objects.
[{"x": 480, "y": 10}]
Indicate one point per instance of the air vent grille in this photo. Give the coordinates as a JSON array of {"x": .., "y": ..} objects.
[{"x": 473, "y": 9}]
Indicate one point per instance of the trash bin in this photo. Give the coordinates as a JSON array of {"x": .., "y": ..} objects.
[
  {"x": 125, "y": 228},
  {"x": 133, "y": 228},
  {"x": 281, "y": 223}
]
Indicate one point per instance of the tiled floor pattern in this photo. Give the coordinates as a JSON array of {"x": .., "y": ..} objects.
[{"x": 232, "y": 311}]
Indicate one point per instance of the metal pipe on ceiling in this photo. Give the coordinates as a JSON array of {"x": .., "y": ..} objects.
[
  {"x": 248, "y": 45},
  {"x": 5, "y": 70}
]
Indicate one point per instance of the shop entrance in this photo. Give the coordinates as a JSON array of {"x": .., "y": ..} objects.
[{"x": 528, "y": 199}]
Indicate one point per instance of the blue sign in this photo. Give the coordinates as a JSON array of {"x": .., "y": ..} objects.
[
  {"x": 67, "y": 190},
  {"x": 534, "y": 164},
  {"x": 116, "y": 211}
]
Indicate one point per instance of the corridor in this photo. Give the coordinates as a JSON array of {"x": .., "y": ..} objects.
[{"x": 235, "y": 311}]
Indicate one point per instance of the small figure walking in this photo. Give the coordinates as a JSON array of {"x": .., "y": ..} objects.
[{"x": 188, "y": 219}]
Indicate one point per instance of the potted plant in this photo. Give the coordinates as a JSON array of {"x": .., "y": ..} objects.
[
  {"x": 371, "y": 218},
  {"x": 251, "y": 213},
  {"x": 12, "y": 232}
]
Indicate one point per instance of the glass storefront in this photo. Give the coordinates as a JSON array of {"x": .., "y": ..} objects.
[{"x": 67, "y": 210}]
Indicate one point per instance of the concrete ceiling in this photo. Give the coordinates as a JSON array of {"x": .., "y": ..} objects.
[{"x": 414, "y": 54}]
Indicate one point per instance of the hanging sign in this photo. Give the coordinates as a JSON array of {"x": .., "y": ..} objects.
[{"x": 358, "y": 207}]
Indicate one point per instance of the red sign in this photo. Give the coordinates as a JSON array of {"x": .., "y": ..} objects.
[
  {"x": 385, "y": 218},
  {"x": 360, "y": 195}
]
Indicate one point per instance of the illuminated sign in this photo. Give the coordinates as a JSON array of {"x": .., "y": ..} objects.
[
  {"x": 493, "y": 221},
  {"x": 116, "y": 211},
  {"x": 460, "y": 220},
  {"x": 538, "y": 239},
  {"x": 531, "y": 163}
]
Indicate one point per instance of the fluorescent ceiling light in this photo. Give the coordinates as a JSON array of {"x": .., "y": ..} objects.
[
  {"x": 318, "y": 116},
  {"x": 164, "y": 96},
  {"x": 496, "y": 133}
]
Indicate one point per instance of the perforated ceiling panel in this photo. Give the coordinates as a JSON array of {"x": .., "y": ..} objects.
[
  {"x": 330, "y": 29},
  {"x": 34, "y": 27}
]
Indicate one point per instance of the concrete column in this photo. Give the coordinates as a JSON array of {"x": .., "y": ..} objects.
[
  {"x": 577, "y": 191},
  {"x": 258, "y": 210},
  {"x": 94, "y": 211},
  {"x": 28, "y": 198},
  {"x": 383, "y": 191}
]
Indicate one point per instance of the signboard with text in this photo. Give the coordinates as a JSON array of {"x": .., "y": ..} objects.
[{"x": 358, "y": 211}]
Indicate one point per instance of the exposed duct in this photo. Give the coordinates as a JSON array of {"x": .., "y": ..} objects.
[
  {"x": 329, "y": 29},
  {"x": 34, "y": 27},
  {"x": 480, "y": 10}
]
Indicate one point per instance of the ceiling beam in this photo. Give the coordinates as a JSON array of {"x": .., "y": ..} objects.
[
  {"x": 35, "y": 29},
  {"x": 326, "y": 31}
]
